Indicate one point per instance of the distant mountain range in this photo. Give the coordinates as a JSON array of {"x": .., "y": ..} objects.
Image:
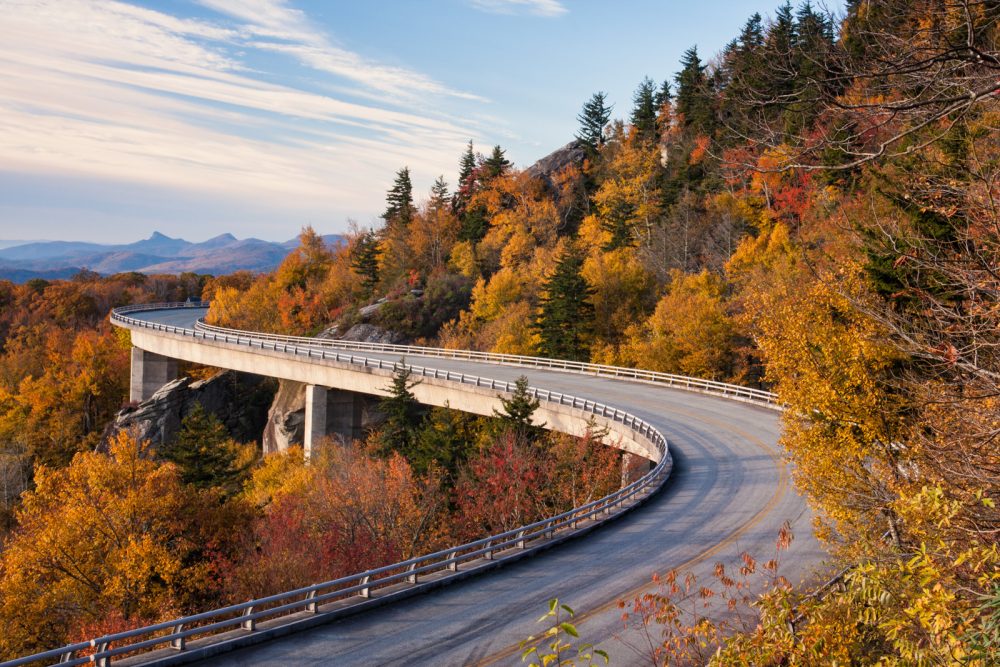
[{"x": 157, "y": 254}]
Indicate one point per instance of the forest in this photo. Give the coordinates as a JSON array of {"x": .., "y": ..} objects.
[{"x": 814, "y": 211}]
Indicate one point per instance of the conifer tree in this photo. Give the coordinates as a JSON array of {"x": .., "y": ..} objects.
[
  {"x": 399, "y": 200},
  {"x": 593, "y": 119},
  {"x": 402, "y": 413},
  {"x": 204, "y": 452},
  {"x": 439, "y": 194},
  {"x": 644, "y": 111},
  {"x": 518, "y": 411},
  {"x": 466, "y": 166},
  {"x": 496, "y": 164},
  {"x": 663, "y": 95},
  {"x": 446, "y": 438},
  {"x": 694, "y": 100},
  {"x": 566, "y": 315},
  {"x": 364, "y": 260}
]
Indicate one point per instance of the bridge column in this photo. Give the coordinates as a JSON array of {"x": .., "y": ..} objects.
[
  {"x": 316, "y": 401},
  {"x": 332, "y": 412},
  {"x": 345, "y": 414},
  {"x": 149, "y": 372}
]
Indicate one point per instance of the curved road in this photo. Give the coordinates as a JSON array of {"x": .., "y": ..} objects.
[{"x": 729, "y": 492}]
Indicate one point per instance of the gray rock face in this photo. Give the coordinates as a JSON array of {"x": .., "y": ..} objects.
[
  {"x": 286, "y": 419},
  {"x": 238, "y": 400},
  {"x": 571, "y": 153},
  {"x": 369, "y": 333}
]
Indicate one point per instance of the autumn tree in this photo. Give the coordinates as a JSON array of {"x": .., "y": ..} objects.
[
  {"x": 689, "y": 333},
  {"x": 343, "y": 513},
  {"x": 500, "y": 488},
  {"x": 629, "y": 203},
  {"x": 110, "y": 534}
]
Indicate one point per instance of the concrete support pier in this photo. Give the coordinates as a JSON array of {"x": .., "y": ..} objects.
[
  {"x": 332, "y": 412},
  {"x": 149, "y": 372},
  {"x": 316, "y": 399}
]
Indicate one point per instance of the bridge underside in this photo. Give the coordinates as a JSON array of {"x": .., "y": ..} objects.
[{"x": 332, "y": 406}]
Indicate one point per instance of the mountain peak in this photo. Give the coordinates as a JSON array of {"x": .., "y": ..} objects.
[{"x": 157, "y": 236}]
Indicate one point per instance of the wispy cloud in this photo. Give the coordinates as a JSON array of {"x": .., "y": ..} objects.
[
  {"x": 535, "y": 7},
  {"x": 275, "y": 26},
  {"x": 110, "y": 90}
]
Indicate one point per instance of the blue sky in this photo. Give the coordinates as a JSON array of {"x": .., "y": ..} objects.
[{"x": 256, "y": 117}]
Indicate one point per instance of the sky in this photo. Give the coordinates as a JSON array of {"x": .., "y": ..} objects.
[{"x": 256, "y": 117}]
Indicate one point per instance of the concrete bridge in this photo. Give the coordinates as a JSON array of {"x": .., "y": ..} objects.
[{"x": 718, "y": 488}]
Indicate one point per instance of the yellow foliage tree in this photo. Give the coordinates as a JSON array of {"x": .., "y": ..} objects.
[
  {"x": 111, "y": 535},
  {"x": 689, "y": 333}
]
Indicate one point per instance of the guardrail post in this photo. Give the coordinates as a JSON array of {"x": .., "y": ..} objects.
[
  {"x": 178, "y": 643},
  {"x": 249, "y": 623},
  {"x": 311, "y": 606},
  {"x": 488, "y": 554},
  {"x": 548, "y": 529},
  {"x": 99, "y": 648},
  {"x": 453, "y": 564},
  {"x": 365, "y": 592},
  {"x": 66, "y": 657},
  {"x": 520, "y": 539},
  {"x": 412, "y": 576}
]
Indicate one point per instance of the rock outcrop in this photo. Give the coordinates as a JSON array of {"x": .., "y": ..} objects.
[
  {"x": 369, "y": 333},
  {"x": 286, "y": 419},
  {"x": 238, "y": 400},
  {"x": 572, "y": 153}
]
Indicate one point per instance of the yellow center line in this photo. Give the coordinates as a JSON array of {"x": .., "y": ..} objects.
[{"x": 707, "y": 553}]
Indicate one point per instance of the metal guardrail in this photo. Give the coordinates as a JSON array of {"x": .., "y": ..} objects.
[
  {"x": 175, "y": 633},
  {"x": 732, "y": 391}
]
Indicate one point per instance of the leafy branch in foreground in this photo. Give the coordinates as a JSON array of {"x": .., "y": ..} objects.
[{"x": 559, "y": 650}]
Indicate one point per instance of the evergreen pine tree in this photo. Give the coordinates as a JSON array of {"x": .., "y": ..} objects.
[
  {"x": 364, "y": 260},
  {"x": 446, "y": 438},
  {"x": 496, "y": 164},
  {"x": 694, "y": 100},
  {"x": 644, "y": 111},
  {"x": 566, "y": 315},
  {"x": 663, "y": 95},
  {"x": 439, "y": 194},
  {"x": 518, "y": 411},
  {"x": 204, "y": 452},
  {"x": 399, "y": 200},
  {"x": 402, "y": 413},
  {"x": 467, "y": 165},
  {"x": 593, "y": 118}
]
